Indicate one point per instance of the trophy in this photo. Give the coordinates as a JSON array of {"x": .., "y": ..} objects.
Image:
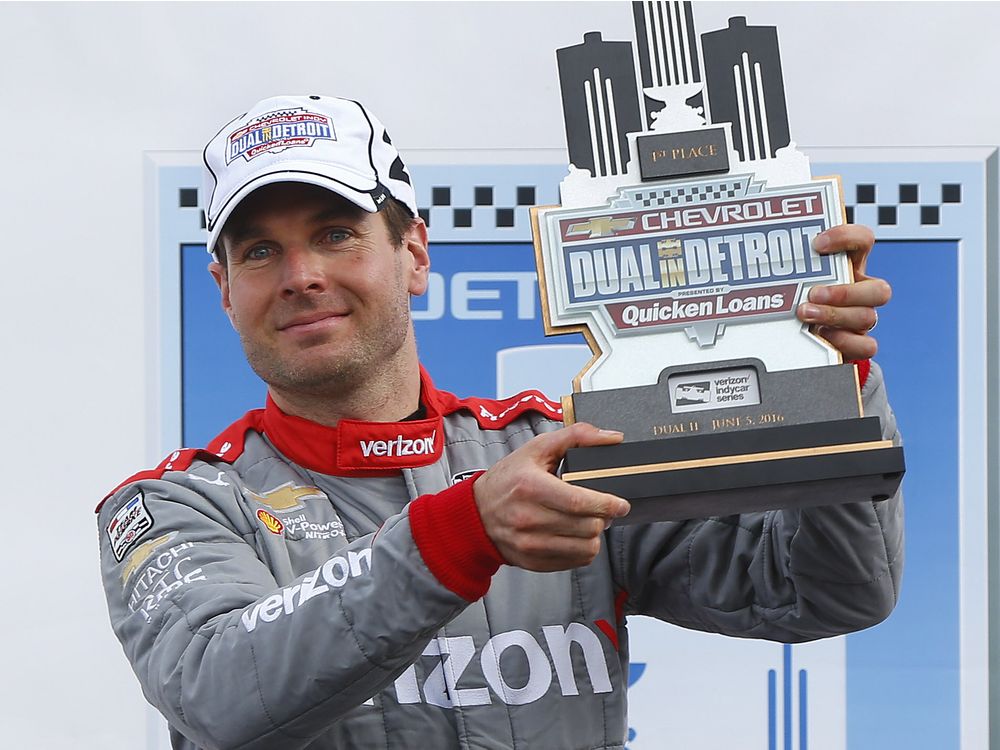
[{"x": 681, "y": 250}]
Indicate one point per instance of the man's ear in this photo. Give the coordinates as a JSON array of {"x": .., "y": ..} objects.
[
  {"x": 419, "y": 259},
  {"x": 221, "y": 277}
]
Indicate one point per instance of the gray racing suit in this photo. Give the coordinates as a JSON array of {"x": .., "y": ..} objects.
[{"x": 300, "y": 586}]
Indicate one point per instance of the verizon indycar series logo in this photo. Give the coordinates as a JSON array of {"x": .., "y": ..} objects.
[
  {"x": 275, "y": 131},
  {"x": 678, "y": 265}
]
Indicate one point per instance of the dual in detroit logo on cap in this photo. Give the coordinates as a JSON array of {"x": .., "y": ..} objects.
[{"x": 279, "y": 130}]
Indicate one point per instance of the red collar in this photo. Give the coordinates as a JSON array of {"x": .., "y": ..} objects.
[
  {"x": 354, "y": 447},
  {"x": 358, "y": 448}
]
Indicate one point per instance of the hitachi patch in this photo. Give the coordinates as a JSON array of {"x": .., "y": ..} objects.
[
  {"x": 130, "y": 522},
  {"x": 143, "y": 553}
]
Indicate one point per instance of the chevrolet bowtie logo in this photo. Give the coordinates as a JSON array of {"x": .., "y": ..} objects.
[
  {"x": 287, "y": 496},
  {"x": 600, "y": 226}
]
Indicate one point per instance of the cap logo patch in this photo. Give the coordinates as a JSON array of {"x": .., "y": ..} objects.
[{"x": 276, "y": 131}]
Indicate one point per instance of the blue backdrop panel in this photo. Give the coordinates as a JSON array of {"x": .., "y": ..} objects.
[
  {"x": 903, "y": 676},
  {"x": 217, "y": 384}
]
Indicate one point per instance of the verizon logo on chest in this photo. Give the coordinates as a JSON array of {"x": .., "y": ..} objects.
[
  {"x": 390, "y": 445},
  {"x": 401, "y": 446}
]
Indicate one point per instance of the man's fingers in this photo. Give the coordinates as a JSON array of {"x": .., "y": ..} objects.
[
  {"x": 854, "y": 319},
  {"x": 545, "y": 524},
  {"x": 579, "y": 501},
  {"x": 544, "y": 554},
  {"x": 552, "y": 446},
  {"x": 567, "y": 500},
  {"x": 843, "y": 314},
  {"x": 852, "y": 345},
  {"x": 855, "y": 239},
  {"x": 544, "y": 520},
  {"x": 531, "y": 515},
  {"x": 850, "y": 307},
  {"x": 869, "y": 292}
]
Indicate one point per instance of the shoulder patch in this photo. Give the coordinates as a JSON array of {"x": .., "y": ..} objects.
[{"x": 128, "y": 525}]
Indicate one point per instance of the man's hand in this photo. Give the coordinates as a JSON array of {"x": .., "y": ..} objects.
[
  {"x": 843, "y": 314},
  {"x": 536, "y": 520}
]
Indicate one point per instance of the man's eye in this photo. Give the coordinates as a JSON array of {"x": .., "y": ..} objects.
[
  {"x": 257, "y": 252},
  {"x": 337, "y": 235}
]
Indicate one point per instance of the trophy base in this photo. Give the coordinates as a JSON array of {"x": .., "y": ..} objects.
[{"x": 726, "y": 474}]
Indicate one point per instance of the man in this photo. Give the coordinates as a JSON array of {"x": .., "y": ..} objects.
[{"x": 371, "y": 562}]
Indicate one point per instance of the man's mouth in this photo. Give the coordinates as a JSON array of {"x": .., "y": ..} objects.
[{"x": 314, "y": 321}]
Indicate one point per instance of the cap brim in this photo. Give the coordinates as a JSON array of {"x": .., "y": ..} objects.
[{"x": 344, "y": 183}]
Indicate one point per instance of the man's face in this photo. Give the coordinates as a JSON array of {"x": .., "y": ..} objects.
[{"x": 316, "y": 290}]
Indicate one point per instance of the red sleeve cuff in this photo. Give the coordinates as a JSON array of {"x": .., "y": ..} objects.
[
  {"x": 450, "y": 536},
  {"x": 864, "y": 367}
]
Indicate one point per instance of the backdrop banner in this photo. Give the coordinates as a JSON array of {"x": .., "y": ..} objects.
[{"x": 907, "y": 683}]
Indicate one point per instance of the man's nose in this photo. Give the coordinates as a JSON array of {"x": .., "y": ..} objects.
[{"x": 303, "y": 272}]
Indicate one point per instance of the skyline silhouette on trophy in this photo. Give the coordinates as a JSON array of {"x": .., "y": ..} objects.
[{"x": 741, "y": 77}]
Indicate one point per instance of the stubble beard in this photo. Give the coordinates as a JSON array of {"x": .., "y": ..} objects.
[{"x": 337, "y": 374}]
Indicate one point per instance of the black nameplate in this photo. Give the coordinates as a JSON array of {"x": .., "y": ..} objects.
[
  {"x": 694, "y": 447},
  {"x": 693, "y": 152},
  {"x": 787, "y": 397}
]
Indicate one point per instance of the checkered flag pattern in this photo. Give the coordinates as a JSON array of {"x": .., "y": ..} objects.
[
  {"x": 457, "y": 215},
  {"x": 877, "y": 205},
  {"x": 682, "y": 194},
  {"x": 882, "y": 205}
]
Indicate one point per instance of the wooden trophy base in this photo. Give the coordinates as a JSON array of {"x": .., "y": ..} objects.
[{"x": 739, "y": 466}]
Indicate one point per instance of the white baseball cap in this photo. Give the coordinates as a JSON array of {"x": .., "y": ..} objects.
[{"x": 320, "y": 140}]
